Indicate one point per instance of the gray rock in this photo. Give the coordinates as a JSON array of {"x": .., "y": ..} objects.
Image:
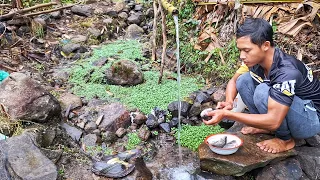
[
  {"x": 90, "y": 127},
  {"x": 115, "y": 116},
  {"x": 174, "y": 122},
  {"x": 138, "y": 7},
  {"x": 25, "y": 159},
  {"x": 70, "y": 47},
  {"x": 121, "y": 132},
  {"x": 238, "y": 163},
  {"x": 96, "y": 132},
  {"x": 40, "y": 21},
  {"x": 95, "y": 32},
  {"x": 111, "y": 12},
  {"x": 67, "y": 99},
  {"x": 314, "y": 141},
  {"x": 173, "y": 108},
  {"x": 27, "y": 100},
  {"x": 134, "y": 31},
  {"x": 47, "y": 136},
  {"x": 124, "y": 73},
  {"x": 123, "y": 15},
  {"x": 202, "y": 97},
  {"x": 79, "y": 39},
  {"x": 90, "y": 140},
  {"x": 202, "y": 175},
  {"x": 119, "y": 6},
  {"x": 23, "y": 30},
  {"x": 165, "y": 127},
  {"x": 109, "y": 137},
  {"x": 195, "y": 109},
  {"x": 101, "y": 62},
  {"x": 287, "y": 169},
  {"x": 135, "y": 18},
  {"x": 82, "y": 10},
  {"x": 152, "y": 121},
  {"x": 107, "y": 21},
  {"x": 53, "y": 155},
  {"x": 4, "y": 174},
  {"x": 309, "y": 158},
  {"x": 73, "y": 132},
  {"x": 56, "y": 14}
]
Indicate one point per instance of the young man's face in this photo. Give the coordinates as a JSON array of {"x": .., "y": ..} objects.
[{"x": 251, "y": 54}]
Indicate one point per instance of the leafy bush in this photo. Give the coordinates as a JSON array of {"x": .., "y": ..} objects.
[{"x": 192, "y": 136}]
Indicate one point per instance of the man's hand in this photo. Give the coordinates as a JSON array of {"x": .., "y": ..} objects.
[
  {"x": 217, "y": 116},
  {"x": 225, "y": 105}
]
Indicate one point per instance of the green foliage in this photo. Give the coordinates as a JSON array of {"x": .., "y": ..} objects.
[
  {"x": 94, "y": 150},
  {"x": 150, "y": 94},
  {"x": 192, "y": 136},
  {"x": 89, "y": 80},
  {"x": 133, "y": 141}
]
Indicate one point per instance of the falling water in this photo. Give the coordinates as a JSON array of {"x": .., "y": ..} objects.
[{"x": 175, "y": 18}]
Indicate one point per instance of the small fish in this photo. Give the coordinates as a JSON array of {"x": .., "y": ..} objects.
[
  {"x": 230, "y": 144},
  {"x": 219, "y": 143}
]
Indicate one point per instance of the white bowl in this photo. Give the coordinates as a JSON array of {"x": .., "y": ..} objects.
[{"x": 227, "y": 150}]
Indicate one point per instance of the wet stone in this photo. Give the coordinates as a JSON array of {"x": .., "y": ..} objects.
[
  {"x": 238, "y": 163},
  {"x": 309, "y": 158},
  {"x": 109, "y": 137},
  {"x": 173, "y": 108},
  {"x": 139, "y": 118},
  {"x": 90, "y": 126},
  {"x": 202, "y": 97},
  {"x": 313, "y": 141},
  {"x": 151, "y": 121},
  {"x": 218, "y": 95},
  {"x": 195, "y": 109},
  {"x": 138, "y": 7},
  {"x": 73, "y": 132},
  {"x": 90, "y": 140},
  {"x": 286, "y": 169},
  {"x": 144, "y": 133},
  {"x": 165, "y": 127}
]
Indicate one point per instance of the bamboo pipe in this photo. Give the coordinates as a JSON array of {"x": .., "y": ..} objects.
[{"x": 169, "y": 7}]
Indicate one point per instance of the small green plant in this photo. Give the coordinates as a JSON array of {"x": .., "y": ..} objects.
[
  {"x": 61, "y": 171},
  {"x": 156, "y": 133},
  {"x": 133, "y": 141},
  {"x": 37, "y": 29},
  {"x": 94, "y": 150},
  {"x": 192, "y": 136}
]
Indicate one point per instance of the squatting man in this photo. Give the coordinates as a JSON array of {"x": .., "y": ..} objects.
[{"x": 281, "y": 93}]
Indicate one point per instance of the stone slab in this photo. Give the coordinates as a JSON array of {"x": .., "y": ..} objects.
[{"x": 247, "y": 158}]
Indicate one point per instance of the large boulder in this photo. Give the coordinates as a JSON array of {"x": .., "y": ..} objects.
[
  {"x": 82, "y": 10},
  {"x": 125, "y": 73},
  {"x": 25, "y": 99},
  {"x": 309, "y": 158},
  {"x": 24, "y": 160}
]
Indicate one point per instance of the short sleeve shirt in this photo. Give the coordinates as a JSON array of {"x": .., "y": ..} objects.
[{"x": 288, "y": 77}]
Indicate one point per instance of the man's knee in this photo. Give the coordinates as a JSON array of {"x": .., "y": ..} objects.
[
  {"x": 243, "y": 81},
  {"x": 261, "y": 94}
]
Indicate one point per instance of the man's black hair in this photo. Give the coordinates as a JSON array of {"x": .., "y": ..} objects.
[{"x": 259, "y": 31}]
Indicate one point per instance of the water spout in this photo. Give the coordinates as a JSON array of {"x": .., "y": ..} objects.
[{"x": 169, "y": 7}]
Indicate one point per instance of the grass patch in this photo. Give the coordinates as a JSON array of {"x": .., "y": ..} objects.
[
  {"x": 150, "y": 94},
  {"x": 89, "y": 81},
  {"x": 192, "y": 136},
  {"x": 133, "y": 141}
]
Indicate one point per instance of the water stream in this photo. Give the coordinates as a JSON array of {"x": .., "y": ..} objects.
[{"x": 176, "y": 22}]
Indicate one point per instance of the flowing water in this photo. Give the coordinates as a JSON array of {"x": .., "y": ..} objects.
[{"x": 176, "y": 22}]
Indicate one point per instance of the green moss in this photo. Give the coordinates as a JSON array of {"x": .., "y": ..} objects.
[{"x": 192, "y": 136}]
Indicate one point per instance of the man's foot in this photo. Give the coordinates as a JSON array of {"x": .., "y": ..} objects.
[
  {"x": 252, "y": 130},
  {"x": 276, "y": 145}
]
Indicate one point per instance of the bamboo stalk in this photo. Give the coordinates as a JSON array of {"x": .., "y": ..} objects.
[{"x": 164, "y": 40}]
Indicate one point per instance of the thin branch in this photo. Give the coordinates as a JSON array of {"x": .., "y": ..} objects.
[
  {"x": 8, "y": 68},
  {"x": 5, "y": 5},
  {"x": 47, "y": 11},
  {"x": 154, "y": 34},
  {"x": 164, "y": 40},
  {"x": 22, "y": 11}
]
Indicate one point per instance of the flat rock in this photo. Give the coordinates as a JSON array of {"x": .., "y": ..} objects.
[
  {"x": 247, "y": 158},
  {"x": 73, "y": 132}
]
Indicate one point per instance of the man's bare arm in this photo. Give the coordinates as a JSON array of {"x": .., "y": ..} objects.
[
  {"x": 231, "y": 93},
  {"x": 269, "y": 121}
]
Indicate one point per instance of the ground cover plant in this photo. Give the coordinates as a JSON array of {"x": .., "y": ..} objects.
[
  {"x": 192, "y": 136},
  {"x": 89, "y": 81}
]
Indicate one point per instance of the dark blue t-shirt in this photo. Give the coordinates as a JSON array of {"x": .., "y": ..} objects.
[{"x": 288, "y": 77}]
